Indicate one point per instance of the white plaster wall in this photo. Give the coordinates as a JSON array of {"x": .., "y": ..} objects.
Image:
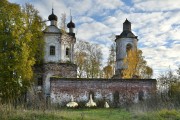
[
  {"x": 47, "y": 83},
  {"x": 52, "y": 40},
  {"x": 67, "y": 41}
]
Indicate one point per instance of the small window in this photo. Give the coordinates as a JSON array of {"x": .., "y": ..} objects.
[
  {"x": 52, "y": 50},
  {"x": 40, "y": 81},
  {"x": 67, "y": 51}
]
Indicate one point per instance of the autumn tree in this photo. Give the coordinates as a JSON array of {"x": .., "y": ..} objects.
[
  {"x": 80, "y": 57},
  {"x": 35, "y": 25},
  {"x": 63, "y": 22},
  {"x": 18, "y": 52},
  {"x": 135, "y": 65},
  {"x": 88, "y": 58},
  {"x": 110, "y": 67},
  {"x": 108, "y": 71},
  {"x": 169, "y": 86}
]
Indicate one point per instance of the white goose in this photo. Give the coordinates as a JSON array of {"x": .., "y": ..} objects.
[
  {"x": 91, "y": 103},
  {"x": 72, "y": 103}
]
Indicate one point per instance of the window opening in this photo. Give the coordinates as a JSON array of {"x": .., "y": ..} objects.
[
  {"x": 67, "y": 51},
  {"x": 52, "y": 50}
]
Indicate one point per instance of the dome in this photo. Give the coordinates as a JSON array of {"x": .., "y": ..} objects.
[
  {"x": 71, "y": 24},
  {"x": 52, "y": 16}
]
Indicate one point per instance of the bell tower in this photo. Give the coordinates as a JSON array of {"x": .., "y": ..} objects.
[{"x": 124, "y": 42}]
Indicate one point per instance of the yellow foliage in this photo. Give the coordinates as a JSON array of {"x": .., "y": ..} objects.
[
  {"x": 130, "y": 63},
  {"x": 135, "y": 65},
  {"x": 108, "y": 71}
]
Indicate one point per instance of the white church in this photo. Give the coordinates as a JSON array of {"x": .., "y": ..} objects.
[{"x": 57, "y": 77}]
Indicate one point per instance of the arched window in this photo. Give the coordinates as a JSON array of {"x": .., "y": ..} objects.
[
  {"x": 116, "y": 98},
  {"x": 40, "y": 81},
  {"x": 52, "y": 50},
  {"x": 128, "y": 47},
  {"x": 67, "y": 51},
  {"x": 141, "y": 96}
]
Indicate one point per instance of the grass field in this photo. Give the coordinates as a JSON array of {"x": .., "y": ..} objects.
[{"x": 89, "y": 114}]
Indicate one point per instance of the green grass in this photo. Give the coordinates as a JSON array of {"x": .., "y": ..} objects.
[
  {"x": 88, "y": 114},
  {"x": 67, "y": 114},
  {"x": 163, "y": 114}
]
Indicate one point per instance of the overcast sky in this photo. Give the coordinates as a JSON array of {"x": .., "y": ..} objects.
[{"x": 155, "y": 22}]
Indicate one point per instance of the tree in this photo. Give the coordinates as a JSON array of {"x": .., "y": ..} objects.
[
  {"x": 108, "y": 71},
  {"x": 35, "y": 26},
  {"x": 110, "y": 67},
  {"x": 169, "y": 86},
  {"x": 112, "y": 56},
  {"x": 135, "y": 65},
  {"x": 17, "y": 52},
  {"x": 80, "y": 58},
  {"x": 88, "y": 58},
  {"x": 63, "y": 22}
]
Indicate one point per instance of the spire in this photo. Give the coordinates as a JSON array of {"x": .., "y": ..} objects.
[
  {"x": 127, "y": 25},
  {"x": 52, "y": 10},
  {"x": 70, "y": 15},
  {"x": 71, "y": 24}
]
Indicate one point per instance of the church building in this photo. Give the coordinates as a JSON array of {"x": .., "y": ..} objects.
[
  {"x": 58, "y": 54},
  {"x": 57, "y": 77}
]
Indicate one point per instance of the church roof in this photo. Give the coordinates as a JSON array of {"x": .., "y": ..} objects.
[
  {"x": 52, "y": 29},
  {"x": 126, "y": 33},
  {"x": 52, "y": 16}
]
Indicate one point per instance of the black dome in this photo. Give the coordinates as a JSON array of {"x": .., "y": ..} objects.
[
  {"x": 52, "y": 16},
  {"x": 71, "y": 24}
]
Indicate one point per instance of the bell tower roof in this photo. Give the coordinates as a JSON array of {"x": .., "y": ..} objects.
[
  {"x": 126, "y": 33},
  {"x": 127, "y": 25}
]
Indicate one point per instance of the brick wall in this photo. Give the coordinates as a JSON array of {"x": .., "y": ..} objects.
[
  {"x": 114, "y": 91},
  {"x": 47, "y": 70},
  {"x": 66, "y": 70}
]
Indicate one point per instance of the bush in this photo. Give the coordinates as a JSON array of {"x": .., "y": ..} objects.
[{"x": 169, "y": 114}]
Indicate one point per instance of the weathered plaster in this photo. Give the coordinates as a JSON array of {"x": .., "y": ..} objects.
[{"x": 62, "y": 89}]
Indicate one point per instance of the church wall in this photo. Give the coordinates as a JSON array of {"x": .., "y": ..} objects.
[
  {"x": 52, "y": 40},
  {"x": 67, "y": 41},
  {"x": 104, "y": 89}
]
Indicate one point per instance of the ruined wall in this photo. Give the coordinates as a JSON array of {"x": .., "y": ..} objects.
[
  {"x": 113, "y": 91},
  {"x": 47, "y": 70},
  {"x": 65, "y": 70}
]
